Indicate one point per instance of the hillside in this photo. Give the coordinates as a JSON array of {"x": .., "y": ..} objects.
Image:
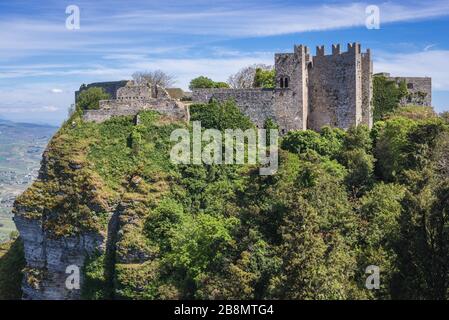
[{"x": 109, "y": 200}]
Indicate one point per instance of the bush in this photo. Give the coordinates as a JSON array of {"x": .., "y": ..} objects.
[
  {"x": 386, "y": 96},
  {"x": 327, "y": 143},
  {"x": 90, "y": 99},
  {"x": 221, "y": 116},
  {"x": 205, "y": 82},
  {"x": 12, "y": 262}
]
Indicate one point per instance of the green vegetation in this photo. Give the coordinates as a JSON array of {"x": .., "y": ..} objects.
[
  {"x": 11, "y": 264},
  {"x": 386, "y": 96},
  {"x": 265, "y": 78},
  {"x": 340, "y": 201},
  {"x": 205, "y": 82},
  {"x": 89, "y": 99}
]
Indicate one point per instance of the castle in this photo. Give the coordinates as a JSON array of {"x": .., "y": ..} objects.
[{"x": 333, "y": 89}]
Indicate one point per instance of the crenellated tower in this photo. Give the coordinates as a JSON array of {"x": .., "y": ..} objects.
[{"x": 340, "y": 88}]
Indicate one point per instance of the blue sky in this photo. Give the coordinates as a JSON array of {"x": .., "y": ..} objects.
[{"x": 42, "y": 63}]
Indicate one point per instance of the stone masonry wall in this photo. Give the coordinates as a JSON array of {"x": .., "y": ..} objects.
[
  {"x": 257, "y": 104},
  {"x": 110, "y": 108},
  {"x": 419, "y": 89},
  {"x": 109, "y": 87},
  {"x": 291, "y": 102},
  {"x": 335, "y": 88}
]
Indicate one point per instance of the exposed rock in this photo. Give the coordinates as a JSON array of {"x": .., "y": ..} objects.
[{"x": 47, "y": 259}]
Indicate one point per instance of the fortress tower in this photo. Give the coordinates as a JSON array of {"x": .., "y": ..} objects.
[
  {"x": 340, "y": 88},
  {"x": 311, "y": 91},
  {"x": 291, "y": 101}
]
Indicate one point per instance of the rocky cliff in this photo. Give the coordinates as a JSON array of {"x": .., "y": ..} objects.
[{"x": 87, "y": 208}]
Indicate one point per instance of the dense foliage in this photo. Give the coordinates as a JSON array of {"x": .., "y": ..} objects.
[
  {"x": 340, "y": 201},
  {"x": 386, "y": 96},
  {"x": 89, "y": 99},
  {"x": 202, "y": 82},
  {"x": 265, "y": 78},
  {"x": 11, "y": 264}
]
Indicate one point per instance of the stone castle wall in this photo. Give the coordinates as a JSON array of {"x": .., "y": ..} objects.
[
  {"x": 367, "y": 89},
  {"x": 110, "y": 88},
  {"x": 111, "y": 108},
  {"x": 419, "y": 89},
  {"x": 257, "y": 104},
  {"x": 311, "y": 92},
  {"x": 291, "y": 97}
]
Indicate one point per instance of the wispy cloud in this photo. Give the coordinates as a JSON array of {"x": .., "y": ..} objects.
[
  {"x": 136, "y": 26},
  {"x": 430, "y": 63}
]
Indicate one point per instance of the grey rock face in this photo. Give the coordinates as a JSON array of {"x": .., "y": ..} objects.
[{"x": 48, "y": 259}]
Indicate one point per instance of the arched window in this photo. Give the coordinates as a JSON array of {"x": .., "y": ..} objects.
[{"x": 283, "y": 82}]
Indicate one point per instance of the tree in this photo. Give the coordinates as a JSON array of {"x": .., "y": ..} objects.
[
  {"x": 360, "y": 167},
  {"x": 90, "y": 99},
  {"x": 203, "y": 82},
  {"x": 221, "y": 116},
  {"x": 265, "y": 78},
  {"x": 423, "y": 249},
  {"x": 244, "y": 78},
  {"x": 391, "y": 139},
  {"x": 157, "y": 77},
  {"x": 327, "y": 143},
  {"x": 387, "y": 95},
  {"x": 12, "y": 262},
  {"x": 380, "y": 211},
  {"x": 358, "y": 137}
]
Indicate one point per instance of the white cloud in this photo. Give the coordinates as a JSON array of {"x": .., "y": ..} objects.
[
  {"x": 126, "y": 28},
  {"x": 43, "y": 109},
  {"x": 431, "y": 63},
  {"x": 55, "y": 90}
]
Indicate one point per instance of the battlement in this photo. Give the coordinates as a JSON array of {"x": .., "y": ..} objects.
[{"x": 352, "y": 48}]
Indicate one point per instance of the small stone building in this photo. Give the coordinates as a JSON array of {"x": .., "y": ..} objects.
[{"x": 133, "y": 98}]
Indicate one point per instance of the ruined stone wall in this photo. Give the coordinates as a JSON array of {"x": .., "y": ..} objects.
[
  {"x": 335, "y": 88},
  {"x": 257, "y": 104},
  {"x": 419, "y": 89},
  {"x": 129, "y": 92},
  {"x": 109, "y": 87},
  {"x": 110, "y": 108}
]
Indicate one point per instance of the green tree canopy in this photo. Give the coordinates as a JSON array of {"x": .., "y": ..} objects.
[
  {"x": 265, "y": 78},
  {"x": 89, "y": 99},
  {"x": 203, "y": 82}
]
